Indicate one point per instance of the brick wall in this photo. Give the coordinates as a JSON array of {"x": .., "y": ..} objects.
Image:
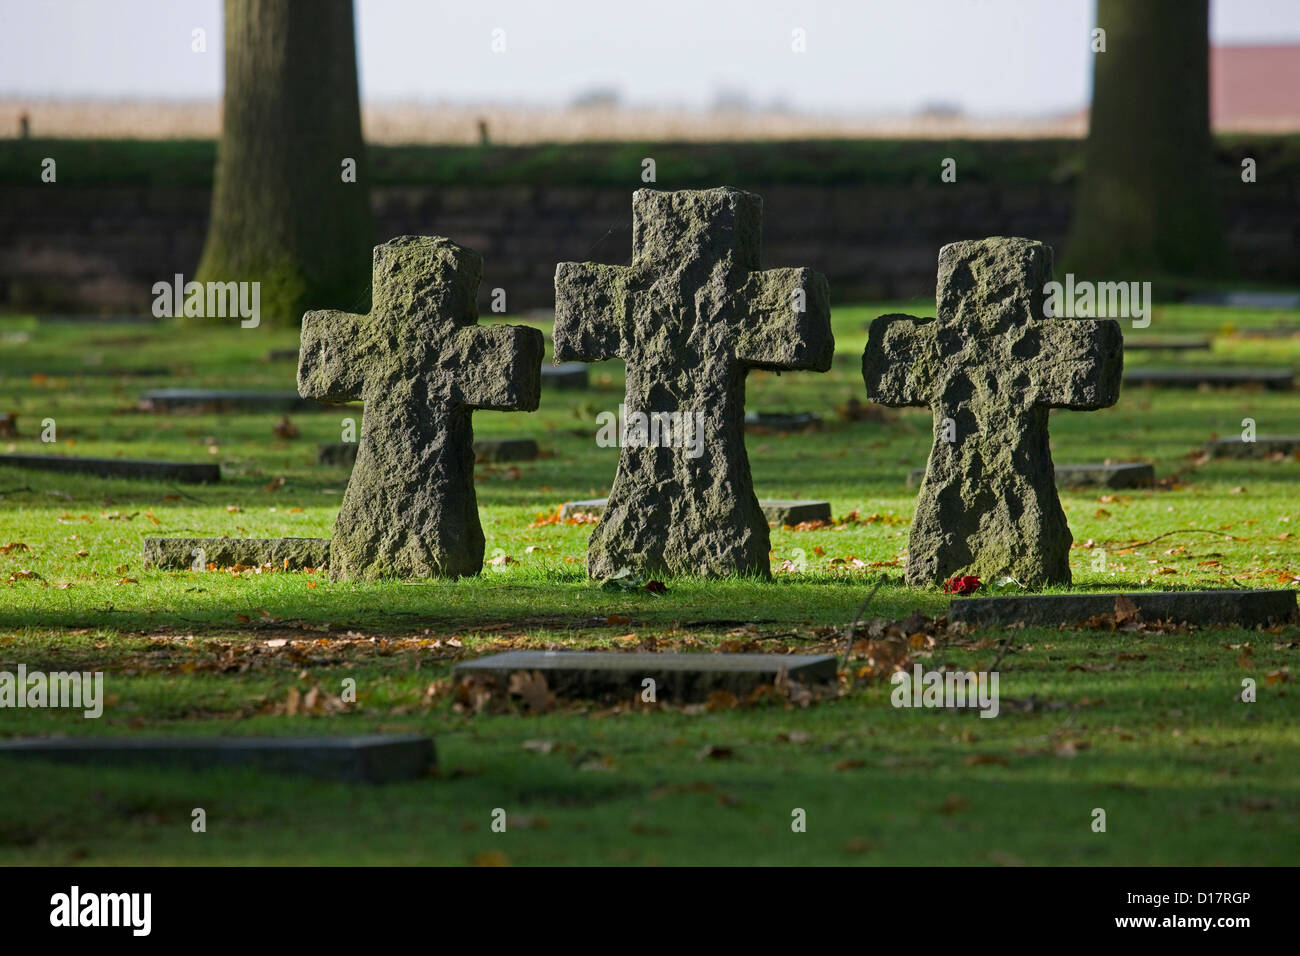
[{"x": 101, "y": 249}]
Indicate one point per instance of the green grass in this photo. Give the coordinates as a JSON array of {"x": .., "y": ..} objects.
[{"x": 1185, "y": 772}]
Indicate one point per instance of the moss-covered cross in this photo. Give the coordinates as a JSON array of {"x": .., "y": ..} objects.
[
  {"x": 422, "y": 365},
  {"x": 990, "y": 367},
  {"x": 689, "y": 317}
]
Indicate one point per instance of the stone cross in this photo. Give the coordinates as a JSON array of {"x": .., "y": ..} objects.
[
  {"x": 422, "y": 365},
  {"x": 990, "y": 367},
  {"x": 689, "y": 317}
]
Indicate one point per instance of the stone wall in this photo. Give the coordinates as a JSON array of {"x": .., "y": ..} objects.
[{"x": 100, "y": 250}]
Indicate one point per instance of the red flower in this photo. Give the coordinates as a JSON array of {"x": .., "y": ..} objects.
[{"x": 967, "y": 584}]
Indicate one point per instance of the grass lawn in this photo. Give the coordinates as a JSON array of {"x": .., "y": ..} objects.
[{"x": 1144, "y": 725}]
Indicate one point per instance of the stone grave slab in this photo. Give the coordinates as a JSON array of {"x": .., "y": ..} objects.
[
  {"x": 375, "y": 758},
  {"x": 990, "y": 367},
  {"x": 565, "y": 376},
  {"x": 282, "y": 355},
  {"x": 293, "y": 554},
  {"x": 1273, "y": 379},
  {"x": 1126, "y": 475},
  {"x": 1246, "y": 299},
  {"x": 1269, "y": 332},
  {"x": 505, "y": 449},
  {"x": 105, "y": 371},
  {"x": 677, "y": 677},
  {"x": 1262, "y": 447},
  {"x": 782, "y": 421},
  {"x": 1168, "y": 345},
  {"x": 1218, "y": 607},
  {"x": 344, "y": 453},
  {"x": 776, "y": 512},
  {"x": 689, "y": 317},
  {"x": 422, "y": 365},
  {"x": 224, "y": 400},
  {"x": 192, "y": 473},
  {"x": 124, "y": 319}
]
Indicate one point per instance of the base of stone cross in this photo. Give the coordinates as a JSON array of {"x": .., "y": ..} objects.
[
  {"x": 1127, "y": 475},
  {"x": 291, "y": 554},
  {"x": 1262, "y": 447},
  {"x": 1167, "y": 345},
  {"x": 566, "y": 376},
  {"x": 224, "y": 400},
  {"x": 191, "y": 473},
  {"x": 362, "y": 759},
  {"x": 344, "y": 453},
  {"x": 1273, "y": 379},
  {"x": 1221, "y": 607},
  {"x": 782, "y": 421},
  {"x": 677, "y": 677},
  {"x": 776, "y": 512}
]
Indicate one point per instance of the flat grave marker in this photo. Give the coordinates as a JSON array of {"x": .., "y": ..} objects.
[
  {"x": 782, "y": 421},
  {"x": 1263, "y": 446},
  {"x": 190, "y": 473},
  {"x": 1273, "y": 379},
  {"x": 1221, "y": 607},
  {"x": 1125, "y": 475},
  {"x": 292, "y": 554},
  {"x": 566, "y": 376},
  {"x": 1248, "y": 299},
  {"x": 1168, "y": 345},
  {"x": 374, "y": 758},
  {"x": 789, "y": 512},
  {"x": 224, "y": 400},
  {"x": 677, "y": 677}
]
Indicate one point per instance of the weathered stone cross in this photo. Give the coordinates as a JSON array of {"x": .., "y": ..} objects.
[
  {"x": 422, "y": 366},
  {"x": 990, "y": 367},
  {"x": 690, "y": 317}
]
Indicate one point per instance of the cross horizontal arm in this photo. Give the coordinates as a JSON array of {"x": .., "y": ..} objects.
[
  {"x": 1082, "y": 362},
  {"x": 496, "y": 367},
  {"x": 591, "y": 305},
  {"x": 788, "y": 325},
  {"x": 330, "y": 366},
  {"x": 901, "y": 363}
]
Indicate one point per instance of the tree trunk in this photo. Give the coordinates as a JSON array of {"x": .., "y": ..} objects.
[
  {"x": 282, "y": 214},
  {"x": 1147, "y": 203}
]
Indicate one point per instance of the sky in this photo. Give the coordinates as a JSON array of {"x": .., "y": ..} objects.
[{"x": 984, "y": 57}]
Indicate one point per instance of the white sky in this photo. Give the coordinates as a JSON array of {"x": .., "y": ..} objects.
[{"x": 988, "y": 57}]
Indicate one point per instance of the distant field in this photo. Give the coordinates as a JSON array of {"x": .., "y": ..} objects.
[{"x": 443, "y": 123}]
